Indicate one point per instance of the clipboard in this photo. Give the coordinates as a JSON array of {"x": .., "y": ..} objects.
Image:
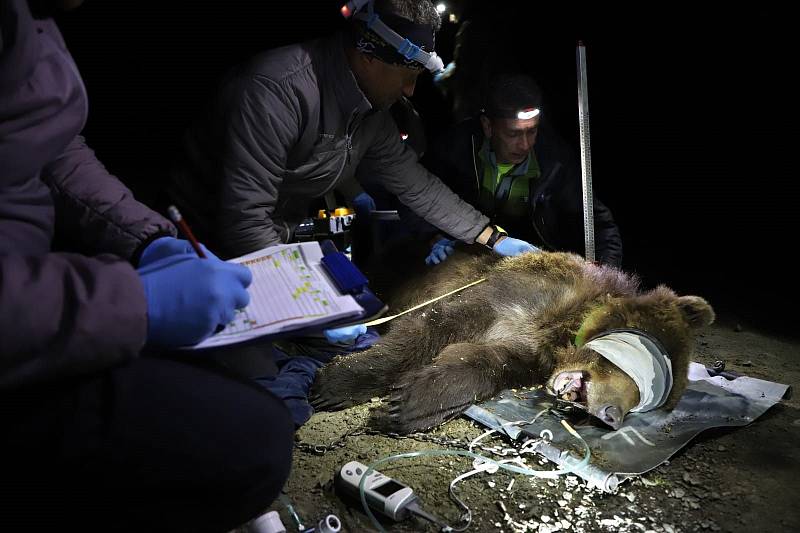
[{"x": 342, "y": 275}]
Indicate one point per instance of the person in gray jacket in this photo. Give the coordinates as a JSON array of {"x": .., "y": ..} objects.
[
  {"x": 296, "y": 122},
  {"x": 94, "y": 435}
]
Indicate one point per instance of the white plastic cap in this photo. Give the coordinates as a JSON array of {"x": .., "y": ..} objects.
[
  {"x": 267, "y": 523},
  {"x": 329, "y": 524},
  {"x": 435, "y": 63}
]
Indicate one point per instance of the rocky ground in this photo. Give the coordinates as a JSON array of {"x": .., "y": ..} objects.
[{"x": 740, "y": 479}]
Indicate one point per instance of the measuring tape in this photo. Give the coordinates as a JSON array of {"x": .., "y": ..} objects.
[
  {"x": 423, "y": 304},
  {"x": 586, "y": 155}
]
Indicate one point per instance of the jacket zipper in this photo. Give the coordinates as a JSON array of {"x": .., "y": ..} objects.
[
  {"x": 475, "y": 166},
  {"x": 533, "y": 201},
  {"x": 348, "y": 146}
]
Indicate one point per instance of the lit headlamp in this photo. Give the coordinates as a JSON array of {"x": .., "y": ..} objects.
[
  {"x": 351, "y": 7},
  {"x": 521, "y": 114},
  {"x": 403, "y": 46},
  {"x": 527, "y": 114}
]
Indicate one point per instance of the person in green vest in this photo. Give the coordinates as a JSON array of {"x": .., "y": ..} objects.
[{"x": 512, "y": 167}]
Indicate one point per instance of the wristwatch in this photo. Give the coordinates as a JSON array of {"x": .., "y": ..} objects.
[{"x": 496, "y": 234}]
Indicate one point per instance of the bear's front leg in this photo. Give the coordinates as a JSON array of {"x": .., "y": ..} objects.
[
  {"x": 353, "y": 379},
  {"x": 350, "y": 380},
  {"x": 411, "y": 344},
  {"x": 462, "y": 374}
]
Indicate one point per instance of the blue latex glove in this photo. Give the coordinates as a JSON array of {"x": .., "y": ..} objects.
[
  {"x": 510, "y": 247},
  {"x": 166, "y": 247},
  {"x": 363, "y": 203},
  {"x": 442, "y": 249},
  {"x": 345, "y": 335},
  {"x": 188, "y": 297}
]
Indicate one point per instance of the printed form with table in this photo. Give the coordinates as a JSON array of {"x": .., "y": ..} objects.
[{"x": 294, "y": 288}]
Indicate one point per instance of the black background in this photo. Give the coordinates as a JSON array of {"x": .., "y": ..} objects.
[{"x": 693, "y": 116}]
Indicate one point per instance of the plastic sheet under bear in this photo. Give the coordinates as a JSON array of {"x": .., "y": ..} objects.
[{"x": 645, "y": 440}]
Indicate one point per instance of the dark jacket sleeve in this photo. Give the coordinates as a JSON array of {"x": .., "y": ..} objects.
[
  {"x": 399, "y": 171},
  {"x": 61, "y": 315},
  {"x": 95, "y": 208},
  {"x": 261, "y": 123},
  {"x": 65, "y": 315},
  {"x": 608, "y": 242},
  {"x": 450, "y": 158}
]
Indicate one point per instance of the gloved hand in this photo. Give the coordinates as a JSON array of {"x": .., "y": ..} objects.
[
  {"x": 188, "y": 297},
  {"x": 442, "y": 249},
  {"x": 168, "y": 246},
  {"x": 509, "y": 246},
  {"x": 345, "y": 335},
  {"x": 363, "y": 203}
]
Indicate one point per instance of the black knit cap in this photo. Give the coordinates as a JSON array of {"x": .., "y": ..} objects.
[{"x": 511, "y": 93}]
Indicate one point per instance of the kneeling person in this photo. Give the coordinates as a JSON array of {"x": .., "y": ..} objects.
[
  {"x": 520, "y": 174},
  {"x": 297, "y": 122}
]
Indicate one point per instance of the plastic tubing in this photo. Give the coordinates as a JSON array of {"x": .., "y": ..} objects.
[{"x": 549, "y": 474}]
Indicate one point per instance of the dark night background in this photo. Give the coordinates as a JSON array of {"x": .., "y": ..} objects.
[{"x": 692, "y": 117}]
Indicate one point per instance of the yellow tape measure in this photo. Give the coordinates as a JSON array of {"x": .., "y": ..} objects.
[{"x": 423, "y": 304}]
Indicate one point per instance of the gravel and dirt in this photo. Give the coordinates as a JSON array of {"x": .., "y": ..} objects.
[{"x": 740, "y": 479}]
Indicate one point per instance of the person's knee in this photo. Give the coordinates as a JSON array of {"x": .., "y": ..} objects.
[
  {"x": 239, "y": 432},
  {"x": 267, "y": 459},
  {"x": 257, "y": 460},
  {"x": 281, "y": 433}
]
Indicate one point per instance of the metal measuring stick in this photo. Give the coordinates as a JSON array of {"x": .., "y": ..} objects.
[{"x": 586, "y": 154}]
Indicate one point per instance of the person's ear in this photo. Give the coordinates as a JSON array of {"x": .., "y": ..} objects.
[
  {"x": 361, "y": 63},
  {"x": 369, "y": 59},
  {"x": 486, "y": 125}
]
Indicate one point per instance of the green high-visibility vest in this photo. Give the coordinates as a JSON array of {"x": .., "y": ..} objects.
[{"x": 505, "y": 189}]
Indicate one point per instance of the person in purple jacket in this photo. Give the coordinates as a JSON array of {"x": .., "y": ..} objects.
[{"x": 93, "y": 434}]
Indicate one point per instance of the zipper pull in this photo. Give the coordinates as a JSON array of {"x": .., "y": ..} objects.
[{"x": 348, "y": 145}]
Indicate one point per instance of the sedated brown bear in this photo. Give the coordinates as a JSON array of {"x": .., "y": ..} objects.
[{"x": 548, "y": 319}]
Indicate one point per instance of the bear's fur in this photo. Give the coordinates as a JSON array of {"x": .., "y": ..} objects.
[{"x": 518, "y": 328}]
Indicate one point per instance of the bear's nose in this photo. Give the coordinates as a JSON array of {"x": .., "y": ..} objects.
[{"x": 611, "y": 415}]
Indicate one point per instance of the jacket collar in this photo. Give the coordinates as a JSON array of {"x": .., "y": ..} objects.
[{"x": 343, "y": 84}]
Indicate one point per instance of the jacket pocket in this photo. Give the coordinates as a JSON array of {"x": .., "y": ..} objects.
[{"x": 321, "y": 169}]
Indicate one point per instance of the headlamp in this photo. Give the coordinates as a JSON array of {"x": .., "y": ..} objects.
[
  {"x": 403, "y": 46},
  {"x": 512, "y": 113},
  {"x": 352, "y": 7},
  {"x": 527, "y": 114}
]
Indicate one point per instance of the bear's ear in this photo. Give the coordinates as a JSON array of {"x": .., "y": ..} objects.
[{"x": 696, "y": 311}]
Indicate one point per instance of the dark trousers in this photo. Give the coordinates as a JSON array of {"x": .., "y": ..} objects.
[{"x": 154, "y": 445}]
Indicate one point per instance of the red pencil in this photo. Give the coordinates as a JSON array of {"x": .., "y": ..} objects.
[{"x": 176, "y": 217}]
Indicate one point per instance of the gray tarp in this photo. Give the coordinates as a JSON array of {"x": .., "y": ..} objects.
[{"x": 646, "y": 439}]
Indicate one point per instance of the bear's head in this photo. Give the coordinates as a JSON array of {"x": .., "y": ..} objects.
[{"x": 631, "y": 354}]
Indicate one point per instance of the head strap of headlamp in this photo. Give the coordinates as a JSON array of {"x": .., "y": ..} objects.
[{"x": 373, "y": 35}]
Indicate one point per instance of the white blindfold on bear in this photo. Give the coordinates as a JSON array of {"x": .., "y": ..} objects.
[{"x": 643, "y": 359}]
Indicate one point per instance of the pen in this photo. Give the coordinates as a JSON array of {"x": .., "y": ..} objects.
[{"x": 176, "y": 217}]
